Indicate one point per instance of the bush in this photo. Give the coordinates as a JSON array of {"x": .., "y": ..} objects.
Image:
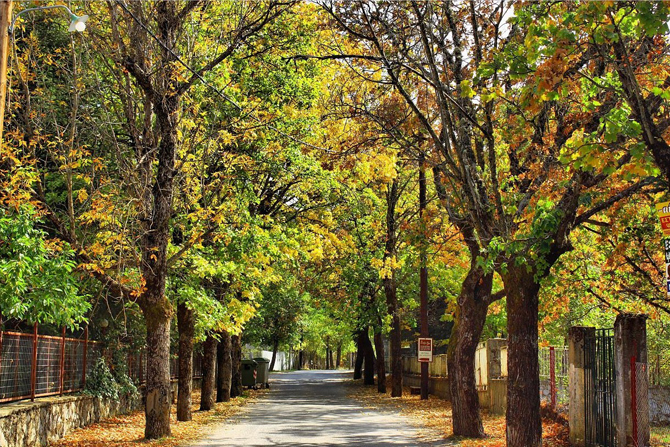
[{"x": 101, "y": 382}]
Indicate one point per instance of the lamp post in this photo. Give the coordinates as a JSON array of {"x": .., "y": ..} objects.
[{"x": 77, "y": 23}]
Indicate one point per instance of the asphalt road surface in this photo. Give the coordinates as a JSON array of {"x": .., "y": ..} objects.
[{"x": 310, "y": 409}]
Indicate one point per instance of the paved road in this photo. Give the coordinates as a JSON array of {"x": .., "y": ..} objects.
[{"x": 310, "y": 409}]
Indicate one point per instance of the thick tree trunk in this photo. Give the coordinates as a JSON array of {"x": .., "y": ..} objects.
[
  {"x": 472, "y": 305},
  {"x": 332, "y": 363},
  {"x": 185, "y": 325},
  {"x": 381, "y": 367},
  {"x": 275, "y": 348},
  {"x": 524, "y": 424},
  {"x": 225, "y": 368},
  {"x": 208, "y": 373},
  {"x": 301, "y": 359},
  {"x": 338, "y": 356},
  {"x": 368, "y": 360},
  {"x": 158, "y": 390},
  {"x": 327, "y": 357},
  {"x": 236, "y": 358},
  {"x": 360, "y": 355}
]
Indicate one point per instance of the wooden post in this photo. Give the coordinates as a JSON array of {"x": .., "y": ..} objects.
[
  {"x": 33, "y": 371},
  {"x": 83, "y": 369},
  {"x": 5, "y": 21},
  {"x": 62, "y": 363}
]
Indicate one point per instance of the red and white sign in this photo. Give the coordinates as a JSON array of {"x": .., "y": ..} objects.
[
  {"x": 663, "y": 210},
  {"x": 425, "y": 349}
]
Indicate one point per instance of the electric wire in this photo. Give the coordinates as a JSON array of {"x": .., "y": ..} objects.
[{"x": 216, "y": 90}]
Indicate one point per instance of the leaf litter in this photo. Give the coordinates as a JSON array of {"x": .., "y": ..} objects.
[{"x": 128, "y": 430}]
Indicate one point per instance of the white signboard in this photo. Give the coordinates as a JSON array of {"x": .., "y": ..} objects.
[{"x": 425, "y": 349}]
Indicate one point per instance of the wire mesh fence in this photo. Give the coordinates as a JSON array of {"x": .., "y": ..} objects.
[
  {"x": 33, "y": 365},
  {"x": 554, "y": 367}
]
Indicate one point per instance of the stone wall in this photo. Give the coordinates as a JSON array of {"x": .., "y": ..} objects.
[
  {"x": 659, "y": 405},
  {"x": 48, "y": 419}
]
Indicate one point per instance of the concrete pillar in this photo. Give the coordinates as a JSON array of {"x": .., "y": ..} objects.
[
  {"x": 576, "y": 414},
  {"x": 630, "y": 339}
]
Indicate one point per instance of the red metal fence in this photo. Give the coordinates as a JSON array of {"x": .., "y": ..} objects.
[{"x": 33, "y": 365}]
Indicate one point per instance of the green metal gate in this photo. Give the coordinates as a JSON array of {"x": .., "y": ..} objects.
[{"x": 600, "y": 389}]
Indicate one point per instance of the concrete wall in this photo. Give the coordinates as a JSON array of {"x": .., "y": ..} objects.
[
  {"x": 659, "y": 405},
  {"x": 437, "y": 386},
  {"x": 48, "y": 419}
]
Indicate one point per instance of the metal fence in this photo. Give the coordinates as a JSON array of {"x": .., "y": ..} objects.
[
  {"x": 33, "y": 365},
  {"x": 137, "y": 367},
  {"x": 554, "y": 367}
]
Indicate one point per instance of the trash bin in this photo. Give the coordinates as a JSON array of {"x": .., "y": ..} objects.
[
  {"x": 249, "y": 373},
  {"x": 263, "y": 371}
]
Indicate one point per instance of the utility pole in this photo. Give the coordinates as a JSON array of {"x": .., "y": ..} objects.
[
  {"x": 424, "y": 271},
  {"x": 5, "y": 21}
]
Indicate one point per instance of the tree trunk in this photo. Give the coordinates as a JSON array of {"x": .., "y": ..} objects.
[
  {"x": 524, "y": 424},
  {"x": 236, "y": 358},
  {"x": 275, "y": 348},
  {"x": 360, "y": 355},
  {"x": 472, "y": 306},
  {"x": 158, "y": 389},
  {"x": 390, "y": 291},
  {"x": 368, "y": 360},
  {"x": 301, "y": 359},
  {"x": 332, "y": 363},
  {"x": 327, "y": 357},
  {"x": 185, "y": 325},
  {"x": 396, "y": 336},
  {"x": 208, "y": 374},
  {"x": 225, "y": 368},
  {"x": 381, "y": 367},
  {"x": 338, "y": 356}
]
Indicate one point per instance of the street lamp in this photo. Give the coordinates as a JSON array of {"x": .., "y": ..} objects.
[{"x": 77, "y": 23}]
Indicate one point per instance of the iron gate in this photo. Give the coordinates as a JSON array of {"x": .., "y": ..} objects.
[{"x": 600, "y": 389}]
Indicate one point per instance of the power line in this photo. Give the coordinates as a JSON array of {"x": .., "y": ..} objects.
[{"x": 215, "y": 89}]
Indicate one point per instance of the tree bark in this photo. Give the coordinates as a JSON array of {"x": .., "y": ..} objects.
[
  {"x": 360, "y": 355},
  {"x": 524, "y": 423},
  {"x": 225, "y": 368},
  {"x": 368, "y": 360},
  {"x": 158, "y": 389},
  {"x": 390, "y": 291},
  {"x": 185, "y": 325},
  {"x": 208, "y": 374},
  {"x": 275, "y": 348},
  {"x": 381, "y": 367},
  {"x": 338, "y": 356},
  {"x": 472, "y": 306},
  {"x": 236, "y": 359}
]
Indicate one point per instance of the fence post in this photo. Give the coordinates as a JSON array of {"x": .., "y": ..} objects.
[
  {"x": 552, "y": 376},
  {"x": 83, "y": 369},
  {"x": 33, "y": 371},
  {"x": 62, "y": 363}
]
